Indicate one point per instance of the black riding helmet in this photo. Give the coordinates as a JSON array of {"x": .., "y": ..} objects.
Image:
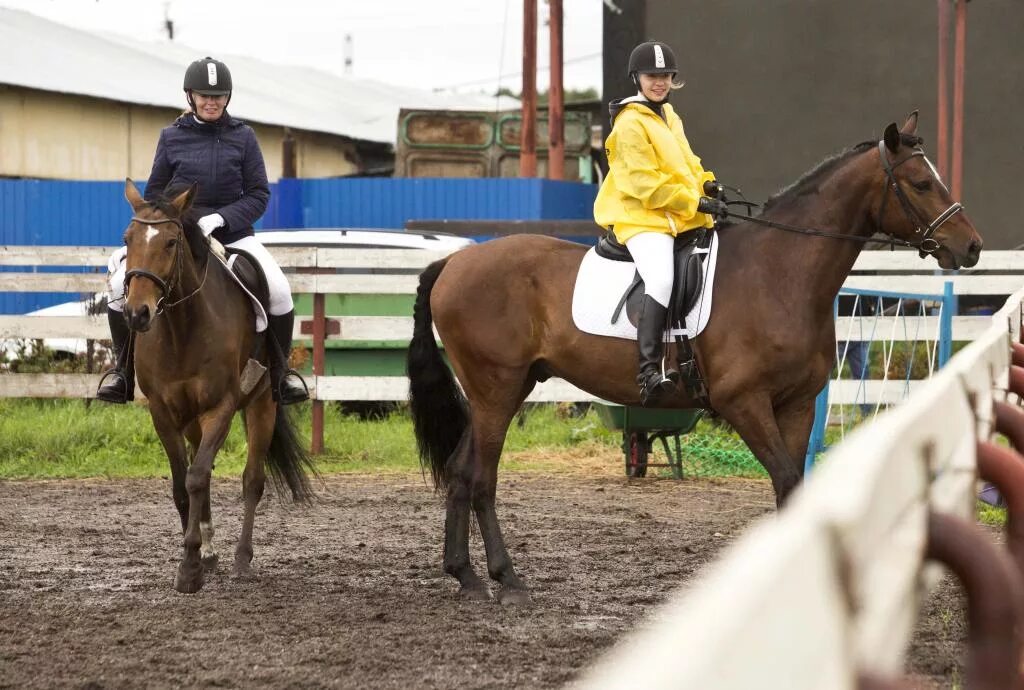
[
  {"x": 208, "y": 77},
  {"x": 652, "y": 57}
]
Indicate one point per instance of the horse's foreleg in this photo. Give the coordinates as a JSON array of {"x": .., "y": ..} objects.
[
  {"x": 259, "y": 423},
  {"x": 177, "y": 454},
  {"x": 795, "y": 421},
  {"x": 207, "y": 554},
  {"x": 753, "y": 417},
  {"x": 456, "y": 521},
  {"x": 214, "y": 426}
]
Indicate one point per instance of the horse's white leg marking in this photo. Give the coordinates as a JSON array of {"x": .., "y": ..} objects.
[{"x": 206, "y": 531}]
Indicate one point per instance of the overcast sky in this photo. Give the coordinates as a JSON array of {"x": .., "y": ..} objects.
[{"x": 463, "y": 45}]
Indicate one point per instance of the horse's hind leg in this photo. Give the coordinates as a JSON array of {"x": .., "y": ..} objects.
[
  {"x": 456, "y": 522},
  {"x": 488, "y": 438},
  {"x": 259, "y": 425},
  {"x": 214, "y": 425}
]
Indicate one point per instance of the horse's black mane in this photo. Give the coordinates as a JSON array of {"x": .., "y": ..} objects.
[
  {"x": 189, "y": 222},
  {"x": 808, "y": 182}
]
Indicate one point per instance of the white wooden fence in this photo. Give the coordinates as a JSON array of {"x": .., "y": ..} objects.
[
  {"x": 830, "y": 588},
  {"x": 394, "y": 272},
  {"x": 315, "y": 271}
]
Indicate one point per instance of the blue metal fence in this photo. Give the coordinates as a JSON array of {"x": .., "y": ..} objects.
[
  {"x": 47, "y": 212},
  {"x": 391, "y": 202},
  {"x": 948, "y": 308}
]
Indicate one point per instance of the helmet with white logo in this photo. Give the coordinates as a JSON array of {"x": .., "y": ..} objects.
[
  {"x": 208, "y": 77},
  {"x": 652, "y": 57}
]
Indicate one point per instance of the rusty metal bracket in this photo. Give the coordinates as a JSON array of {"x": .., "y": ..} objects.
[
  {"x": 1017, "y": 354},
  {"x": 995, "y": 600},
  {"x": 331, "y": 327},
  {"x": 1017, "y": 380},
  {"x": 1010, "y": 423},
  {"x": 1005, "y": 468}
]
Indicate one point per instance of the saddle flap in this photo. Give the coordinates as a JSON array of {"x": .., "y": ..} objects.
[
  {"x": 245, "y": 270},
  {"x": 249, "y": 273},
  {"x": 688, "y": 256}
]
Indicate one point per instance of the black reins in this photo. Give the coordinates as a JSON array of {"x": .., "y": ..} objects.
[
  {"x": 925, "y": 245},
  {"x": 166, "y": 286}
]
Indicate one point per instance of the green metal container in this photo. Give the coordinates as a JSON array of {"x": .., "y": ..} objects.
[
  {"x": 618, "y": 417},
  {"x": 364, "y": 357}
]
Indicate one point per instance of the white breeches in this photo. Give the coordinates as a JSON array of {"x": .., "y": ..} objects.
[
  {"x": 280, "y": 291},
  {"x": 652, "y": 254}
]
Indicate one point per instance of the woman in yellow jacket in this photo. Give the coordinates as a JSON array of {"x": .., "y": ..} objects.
[{"x": 655, "y": 189}]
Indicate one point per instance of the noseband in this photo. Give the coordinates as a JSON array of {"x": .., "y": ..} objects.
[
  {"x": 923, "y": 232},
  {"x": 165, "y": 286}
]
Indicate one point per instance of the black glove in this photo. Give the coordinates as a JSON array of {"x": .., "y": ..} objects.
[
  {"x": 713, "y": 189},
  {"x": 713, "y": 207}
]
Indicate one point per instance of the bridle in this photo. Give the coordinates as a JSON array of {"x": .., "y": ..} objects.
[
  {"x": 166, "y": 286},
  {"x": 923, "y": 241},
  {"x": 925, "y": 230}
]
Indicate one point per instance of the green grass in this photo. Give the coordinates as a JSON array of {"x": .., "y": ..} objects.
[
  {"x": 67, "y": 438},
  {"x": 991, "y": 515}
]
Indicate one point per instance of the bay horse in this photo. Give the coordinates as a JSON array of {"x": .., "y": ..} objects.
[
  {"x": 194, "y": 331},
  {"x": 502, "y": 310}
]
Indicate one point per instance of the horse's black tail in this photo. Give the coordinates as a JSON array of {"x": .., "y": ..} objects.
[
  {"x": 438, "y": 407},
  {"x": 287, "y": 459}
]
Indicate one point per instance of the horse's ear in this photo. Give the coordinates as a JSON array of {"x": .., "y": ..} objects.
[
  {"x": 183, "y": 201},
  {"x": 131, "y": 193},
  {"x": 892, "y": 137},
  {"x": 910, "y": 126}
]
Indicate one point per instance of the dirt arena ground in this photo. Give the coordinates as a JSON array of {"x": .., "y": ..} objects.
[{"x": 350, "y": 592}]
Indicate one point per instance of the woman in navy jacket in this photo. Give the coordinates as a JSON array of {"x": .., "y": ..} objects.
[{"x": 208, "y": 146}]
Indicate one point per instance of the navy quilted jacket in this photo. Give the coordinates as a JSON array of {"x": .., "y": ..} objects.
[{"x": 225, "y": 159}]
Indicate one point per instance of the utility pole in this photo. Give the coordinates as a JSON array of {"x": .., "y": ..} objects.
[
  {"x": 943, "y": 78},
  {"x": 959, "y": 49},
  {"x": 556, "y": 108},
  {"x": 528, "y": 128},
  {"x": 955, "y": 166}
]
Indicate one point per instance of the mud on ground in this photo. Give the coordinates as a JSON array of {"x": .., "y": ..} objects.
[{"x": 349, "y": 591}]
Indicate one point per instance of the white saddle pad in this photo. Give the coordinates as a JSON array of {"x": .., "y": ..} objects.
[{"x": 601, "y": 282}]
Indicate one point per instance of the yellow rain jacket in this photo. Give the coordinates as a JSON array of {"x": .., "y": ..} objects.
[{"x": 655, "y": 180}]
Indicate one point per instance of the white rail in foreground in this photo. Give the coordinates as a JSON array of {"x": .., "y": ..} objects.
[{"x": 832, "y": 585}]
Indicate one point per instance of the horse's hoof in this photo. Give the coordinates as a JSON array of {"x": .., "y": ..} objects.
[
  {"x": 189, "y": 579},
  {"x": 513, "y": 596},
  {"x": 210, "y": 562},
  {"x": 242, "y": 570},
  {"x": 481, "y": 593}
]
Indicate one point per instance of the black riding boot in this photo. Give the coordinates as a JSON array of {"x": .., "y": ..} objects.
[
  {"x": 653, "y": 380},
  {"x": 286, "y": 384},
  {"x": 118, "y": 384}
]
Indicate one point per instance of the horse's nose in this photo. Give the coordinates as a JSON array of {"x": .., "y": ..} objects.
[
  {"x": 973, "y": 252},
  {"x": 138, "y": 319}
]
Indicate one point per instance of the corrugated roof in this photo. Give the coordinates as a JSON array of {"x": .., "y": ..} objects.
[{"x": 41, "y": 54}]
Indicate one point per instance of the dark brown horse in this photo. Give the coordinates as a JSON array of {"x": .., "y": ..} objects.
[
  {"x": 502, "y": 311},
  {"x": 195, "y": 330}
]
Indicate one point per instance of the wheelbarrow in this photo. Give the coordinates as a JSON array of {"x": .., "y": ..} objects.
[{"x": 642, "y": 427}]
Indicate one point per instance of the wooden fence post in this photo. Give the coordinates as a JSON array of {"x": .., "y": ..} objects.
[{"x": 319, "y": 336}]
